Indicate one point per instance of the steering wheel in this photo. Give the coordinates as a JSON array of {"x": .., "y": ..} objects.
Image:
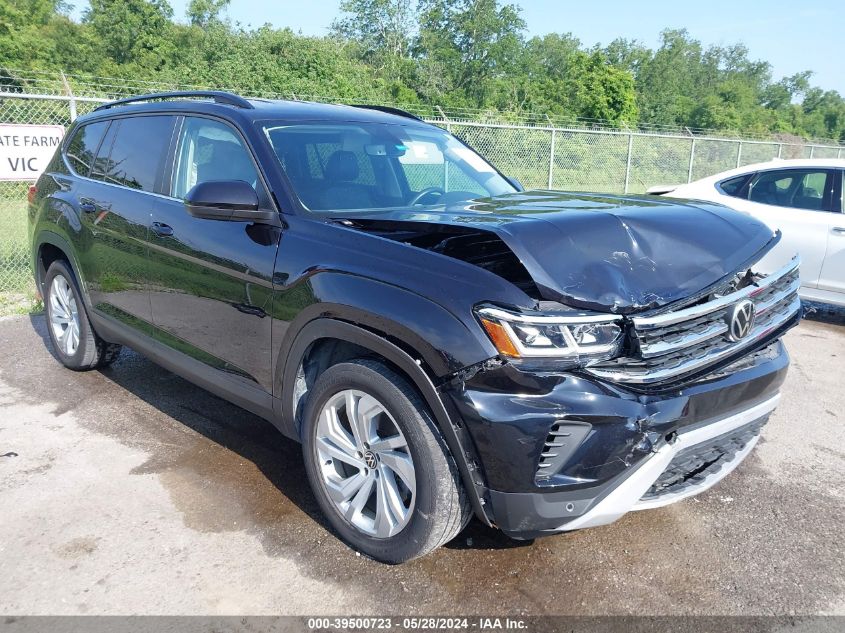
[{"x": 425, "y": 192}]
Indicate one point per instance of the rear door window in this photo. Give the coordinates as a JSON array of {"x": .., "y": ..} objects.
[
  {"x": 137, "y": 151},
  {"x": 82, "y": 148}
]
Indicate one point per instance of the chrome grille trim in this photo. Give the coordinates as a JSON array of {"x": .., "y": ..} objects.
[
  {"x": 670, "y": 318},
  {"x": 661, "y": 347},
  {"x": 677, "y": 343}
]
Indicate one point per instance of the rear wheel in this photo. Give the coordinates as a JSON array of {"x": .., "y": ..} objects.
[
  {"x": 378, "y": 465},
  {"x": 76, "y": 344}
]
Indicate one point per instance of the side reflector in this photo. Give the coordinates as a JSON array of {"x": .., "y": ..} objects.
[{"x": 500, "y": 338}]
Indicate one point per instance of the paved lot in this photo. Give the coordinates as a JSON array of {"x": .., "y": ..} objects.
[{"x": 131, "y": 491}]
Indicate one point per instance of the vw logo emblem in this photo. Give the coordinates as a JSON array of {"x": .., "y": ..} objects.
[
  {"x": 370, "y": 460},
  {"x": 740, "y": 318}
]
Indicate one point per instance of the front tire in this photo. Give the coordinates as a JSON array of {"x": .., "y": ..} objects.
[
  {"x": 377, "y": 464},
  {"x": 76, "y": 344}
]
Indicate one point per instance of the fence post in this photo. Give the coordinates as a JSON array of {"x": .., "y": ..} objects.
[
  {"x": 738, "y": 153},
  {"x": 445, "y": 118},
  {"x": 71, "y": 99},
  {"x": 552, "y": 159},
  {"x": 628, "y": 161},
  {"x": 780, "y": 149},
  {"x": 445, "y": 163},
  {"x": 691, "y": 160},
  {"x": 812, "y": 150},
  {"x": 839, "y": 153}
]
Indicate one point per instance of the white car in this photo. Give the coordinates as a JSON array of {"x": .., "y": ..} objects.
[{"x": 802, "y": 198}]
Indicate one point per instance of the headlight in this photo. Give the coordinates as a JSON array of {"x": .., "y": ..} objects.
[{"x": 579, "y": 338}]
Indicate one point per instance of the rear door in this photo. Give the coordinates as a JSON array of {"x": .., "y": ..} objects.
[
  {"x": 833, "y": 270},
  {"x": 116, "y": 201},
  {"x": 211, "y": 281},
  {"x": 798, "y": 203}
]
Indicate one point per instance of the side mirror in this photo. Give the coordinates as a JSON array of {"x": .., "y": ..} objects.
[
  {"x": 228, "y": 200},
  {"x": 517, "y": 185}
]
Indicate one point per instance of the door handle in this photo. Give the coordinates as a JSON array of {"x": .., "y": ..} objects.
[
  {"x": 839, "y": 230},
  {"x": 162, "y": 230},
  {"x": 86, "y": 205}
]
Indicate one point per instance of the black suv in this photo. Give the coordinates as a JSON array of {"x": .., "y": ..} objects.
[{"x": 441, "y": 342}]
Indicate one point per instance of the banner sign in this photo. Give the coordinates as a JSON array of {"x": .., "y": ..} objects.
[{"x": 25, "y": 150}]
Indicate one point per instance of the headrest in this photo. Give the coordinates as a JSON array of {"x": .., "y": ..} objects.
[{"x": 342, "y": 166}]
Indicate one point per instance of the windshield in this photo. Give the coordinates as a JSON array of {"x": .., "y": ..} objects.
[{"x": 349, "y": 165}]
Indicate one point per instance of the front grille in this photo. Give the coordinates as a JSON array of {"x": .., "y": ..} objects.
[
  {"x": 676, "y": 344},
  {"x": 693, "y": 465}
]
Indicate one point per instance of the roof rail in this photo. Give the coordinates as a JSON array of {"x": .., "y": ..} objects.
[
  {"x": 388, "y": 110},
  {"x": 217, "y": 96}
]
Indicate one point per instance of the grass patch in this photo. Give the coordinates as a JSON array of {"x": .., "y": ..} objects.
[
  {"x": 15, "y": 303},
  {"x": 15, "y": 276}
]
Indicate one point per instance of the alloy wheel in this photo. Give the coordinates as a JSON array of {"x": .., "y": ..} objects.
[
  {"x": 365, "y": 464},
  {"x": 64, "y": 315}
]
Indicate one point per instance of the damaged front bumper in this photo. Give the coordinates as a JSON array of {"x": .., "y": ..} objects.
[
  {"x": 632, "y": 493},
  {"x": 560, "y": 452}
]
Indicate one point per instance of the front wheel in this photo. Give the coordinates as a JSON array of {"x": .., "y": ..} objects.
[{"x": 378, "y": 466}]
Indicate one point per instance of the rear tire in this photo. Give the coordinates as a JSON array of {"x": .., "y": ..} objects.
[
  {"x": 387, "y": 483},
  {"x": 76, "y": 344}
]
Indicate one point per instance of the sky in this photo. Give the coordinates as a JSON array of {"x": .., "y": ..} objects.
[{"x": 792, "y": 36}]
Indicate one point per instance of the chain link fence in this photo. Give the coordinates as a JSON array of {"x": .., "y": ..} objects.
[{"x": 600, "y": 160}]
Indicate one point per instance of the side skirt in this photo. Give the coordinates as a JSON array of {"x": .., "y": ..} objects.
[{"x": 232, "y": 388}]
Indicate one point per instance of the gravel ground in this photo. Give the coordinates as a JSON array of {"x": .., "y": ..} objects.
[{"x": 131, "y": 491}]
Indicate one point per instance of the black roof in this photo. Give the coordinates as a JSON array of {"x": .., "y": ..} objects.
[{"x": 234, "y": 106}]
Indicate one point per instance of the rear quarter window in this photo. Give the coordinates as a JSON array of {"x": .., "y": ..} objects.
[
  {"x": 735, "y": 186},
  {"x": 82, "y": 147}
]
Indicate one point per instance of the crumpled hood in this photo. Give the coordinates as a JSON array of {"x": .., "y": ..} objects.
[{"x": 609, "y": 253}]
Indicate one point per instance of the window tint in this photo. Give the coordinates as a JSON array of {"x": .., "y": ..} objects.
[
  {"x": 796, "y": 188},
  {"x": 139, "y": 146},
  {"x": 841, "y": 178},
  {"x": 82, "y": 148},
  {"x": 98, "y": 171},
  {"x": 210, "y": 150},
  {"x": 733, "y": 186}
]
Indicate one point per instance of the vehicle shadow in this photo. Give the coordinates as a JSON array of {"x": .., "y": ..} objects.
[
  {"x": 278, "y": 458},
  {"x": 477, "y": 536},
  {"x": 254, "y": 439}
]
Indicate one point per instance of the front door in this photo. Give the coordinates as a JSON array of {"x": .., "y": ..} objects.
[
  {"x": 833, "y": 270},
  {"x": 210, "y": 280},
  {"x": 796, "y": 201}
]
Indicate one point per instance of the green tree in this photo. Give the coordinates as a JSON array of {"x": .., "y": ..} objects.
[
  {"x": 580, "y": 85},
  {"x": 666, "y": 82},
  {"x": 133, "y": 31},
  {"x": 204, "y": 13},
  {"x": 472, "y": 41},
  {"x": 23, "y": 28},
  {"x": 382, "y": 30}
]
